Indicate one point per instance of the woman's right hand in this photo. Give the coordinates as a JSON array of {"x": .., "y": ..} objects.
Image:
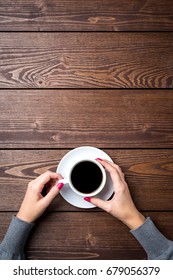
[
  {"x": 34, "y": 202},
  {"x": 121, "y": 205}
]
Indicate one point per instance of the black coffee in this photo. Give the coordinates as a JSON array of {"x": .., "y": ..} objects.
[{"x": 86, "y": 177}]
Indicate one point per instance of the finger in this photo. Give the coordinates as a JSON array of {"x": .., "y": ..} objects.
[
  {"x": 115, "y": 172},
  {"x": 99, "y": 203},
  {"x": 107, "y": 164},
  {"x": 52, "y": 194},
  {"x": 47, "y": 187},
  {"x": 44, "y": 179},
  {"x": 59, "y": 177},
  {"x": 114, "y": 165},
  {"x": 52, "y": 182},
  {"x": 116, "y": 178}
]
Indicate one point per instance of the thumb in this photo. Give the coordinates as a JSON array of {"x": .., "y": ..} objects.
[
  {"x": 99, "y": 203},
  {"x": 51, "y": 195}
]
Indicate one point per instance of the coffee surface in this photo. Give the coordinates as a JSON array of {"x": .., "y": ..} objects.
[{"x": 86, "y": 177}]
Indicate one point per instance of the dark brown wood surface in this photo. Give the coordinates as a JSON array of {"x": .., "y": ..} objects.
[
  {"x": 86, "y": 235},
  {"x": 90, "y": 15},
  {"x": 69, "y": 78},
  {"x": 149, "y": 174},
  {"x": 101, "y": 118},
  {"x": 86, "y": 60}
]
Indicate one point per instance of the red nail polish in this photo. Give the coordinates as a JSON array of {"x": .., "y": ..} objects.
[
  {"x": 99, "y": 159},
  {"x": 60, "y": 185},
  {"x": 87, "y": 198}
]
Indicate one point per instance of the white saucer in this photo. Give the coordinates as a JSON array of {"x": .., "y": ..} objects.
[{"x": 71, "y": 158}]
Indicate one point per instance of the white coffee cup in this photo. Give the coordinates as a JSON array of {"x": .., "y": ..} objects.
[{"x": 93, "y": 181}]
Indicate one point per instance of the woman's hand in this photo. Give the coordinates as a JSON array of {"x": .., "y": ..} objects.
[
  {"x": 35, "y": 203},
  {"x": 121, "y": 205}
]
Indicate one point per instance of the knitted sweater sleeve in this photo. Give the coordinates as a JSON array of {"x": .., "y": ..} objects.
[
  {"x": 12, "y": 246},
  {"x": 156, "y": 245}
]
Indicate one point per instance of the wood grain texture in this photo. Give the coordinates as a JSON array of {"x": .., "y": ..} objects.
[
  {"x": 71, "y": 118},
  {"x": 149, "y": 174},
  {"x": 56, "y": 95},
  {"x": 101, "y": 236},
  {"x": 86, "y": 60},
  {"x": 90, "y": 15}
]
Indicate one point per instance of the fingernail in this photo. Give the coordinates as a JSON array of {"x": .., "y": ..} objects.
[
  {"x": 87, "y": 198},
  {"x": 60, "y": 185},
  {"x": 99, "y": 159}
]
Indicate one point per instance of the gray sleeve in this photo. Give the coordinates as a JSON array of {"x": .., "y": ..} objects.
[
  {"x": 12, "y": 246},
  {"x": 156, "y": 245}
]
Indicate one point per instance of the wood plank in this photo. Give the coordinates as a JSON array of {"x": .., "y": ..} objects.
[
  {"x": 149, "y": 174},
  {"x": 90, "y": 15},
  {"x": 95, "y": 241},
  {"x": 86, "y": 60},
  {"x": 71, "y": 118}
]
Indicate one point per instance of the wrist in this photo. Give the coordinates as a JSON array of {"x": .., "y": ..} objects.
[
  {"x": 24, "y": 218},
  {"x": 134, "y": 221}
]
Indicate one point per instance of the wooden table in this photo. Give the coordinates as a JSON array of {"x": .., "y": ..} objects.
[{"x": 77, "y": 73}]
